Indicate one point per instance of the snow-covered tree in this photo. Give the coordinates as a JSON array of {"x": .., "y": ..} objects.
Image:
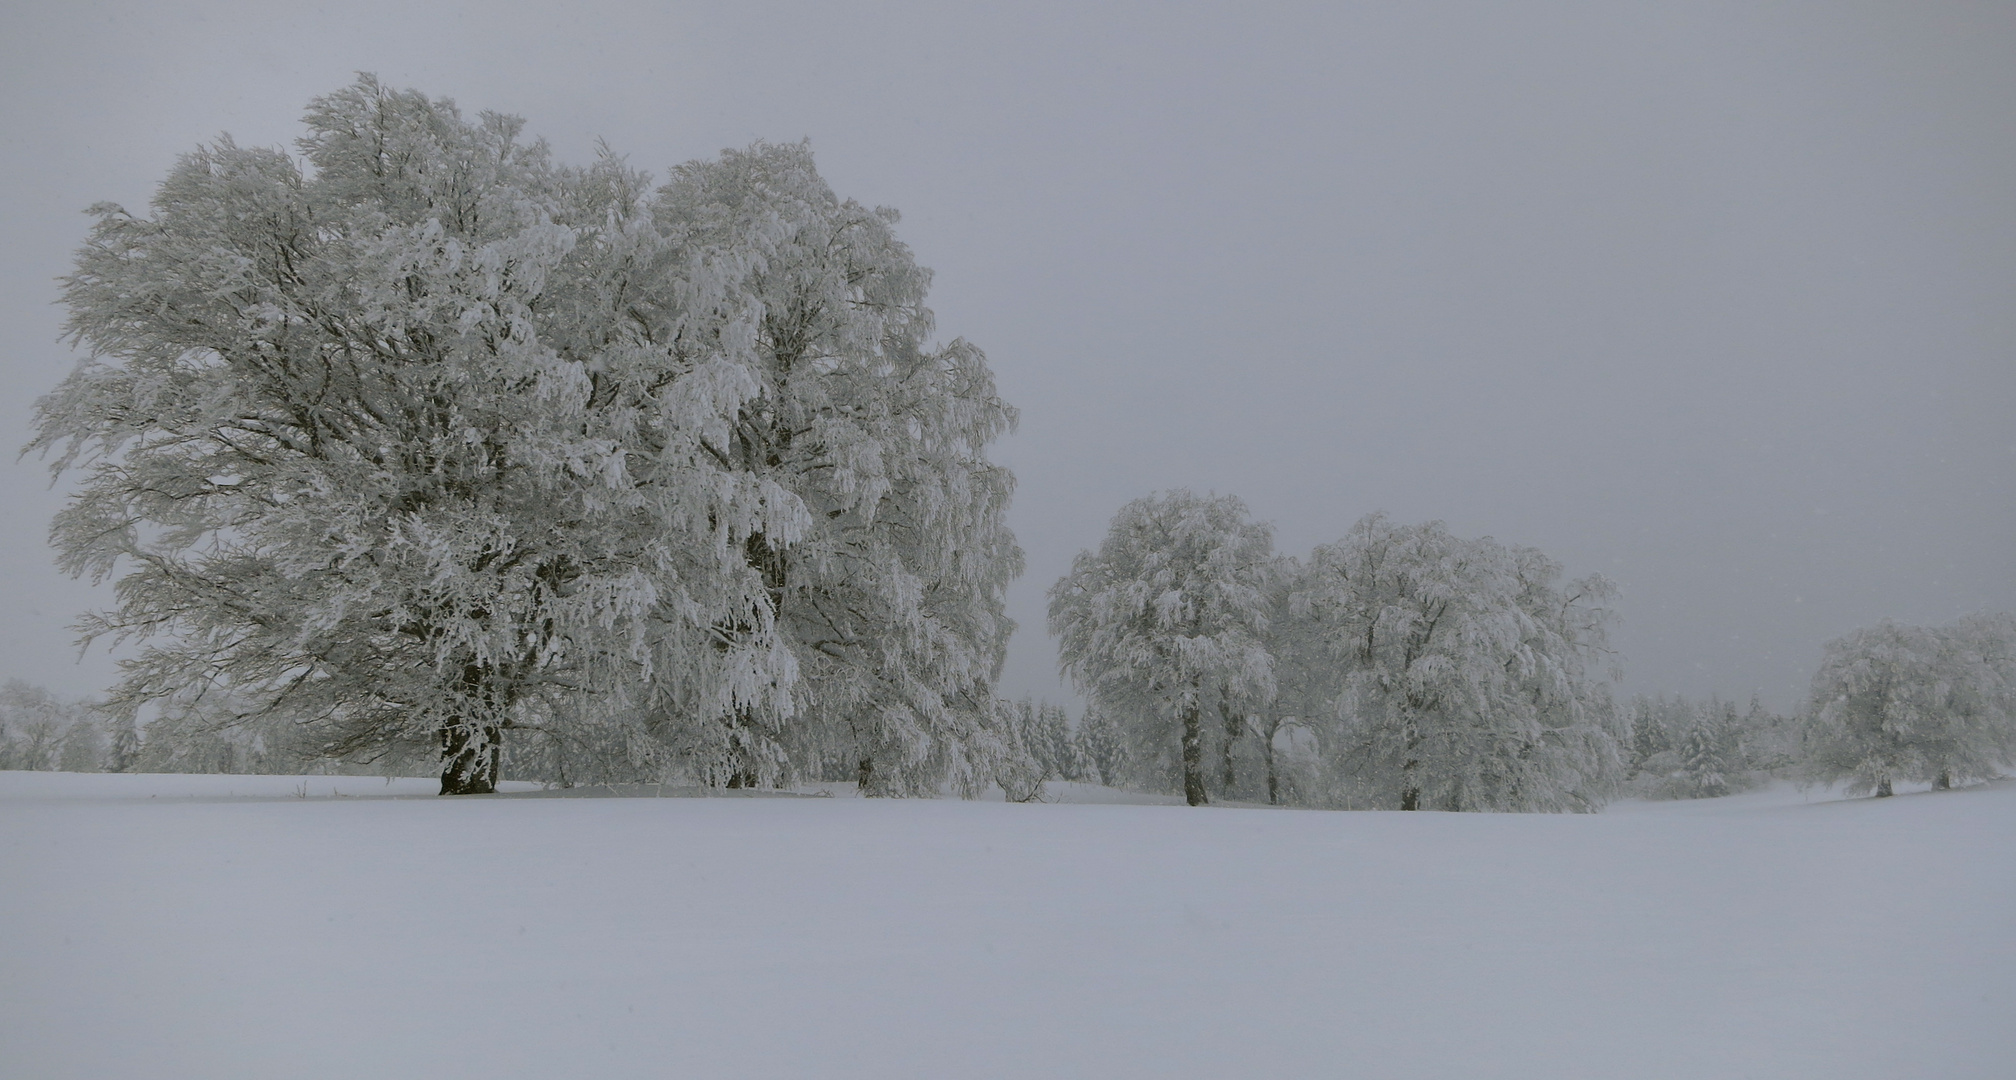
[
  {"x": 425, "y": 438},
  {"x": 1894, "y": 703},
  {"x": 122, "y": 738},
  {"x": 83, "y": 748},
  {"x": 1651, "y": 733},
  {"x": 1711, "y": 753},
  {"x": 1021, "y": 768},
  {"x": 1471, "y": 681},
  {"x": 331, "y": 439},
  {"x": 1874, "y": 687},
  {"x": 1045, "y": 732},
  {"x": 886, "y": 589},
  {"x": 1169, "y": 612},
  {"x": 33, "y": 727},
  {"x": 1974, "y": 737}
]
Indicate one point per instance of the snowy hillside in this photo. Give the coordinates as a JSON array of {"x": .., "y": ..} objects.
[{"x": 231, "y": 926}]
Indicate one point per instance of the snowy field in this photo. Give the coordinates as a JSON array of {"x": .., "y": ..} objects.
[{"x": 230, "y": 926}]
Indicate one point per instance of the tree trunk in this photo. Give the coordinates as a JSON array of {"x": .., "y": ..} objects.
[
  {"x": 1410, "y": 785},
  {"x": 744, "y": 770},
  {"x": 1267, "y": 751},
  {"x": 469, "y": 759},
  {"x": 1193, "y": 756},
  {"x": 743, "y": 728},
  {"x": 1233, "y": 723},
  {"x": 1944, "y": 782},
  {"x": 1883, "y": 788}
]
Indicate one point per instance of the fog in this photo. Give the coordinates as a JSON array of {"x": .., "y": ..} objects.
[{"x": 1715, "y": 299}]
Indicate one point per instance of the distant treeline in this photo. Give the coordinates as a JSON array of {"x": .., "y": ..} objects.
[{"x": 42, "y": 732}]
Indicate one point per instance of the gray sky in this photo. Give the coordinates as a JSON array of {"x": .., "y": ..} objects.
[{"x": 1716, "y": 298}]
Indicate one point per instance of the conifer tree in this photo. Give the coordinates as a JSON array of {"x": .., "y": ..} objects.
[
  {"x": 122, "y": 753},
  {"x": 1708, "y": 753},
  {"x": 1101, "y": 746}
]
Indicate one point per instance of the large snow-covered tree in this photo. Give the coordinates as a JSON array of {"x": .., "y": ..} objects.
[
  {"x": 1471, "y": 673},
  {"x": 1167, "y": 617},
  {"x": 1893, "y": 703},
  {"x": 887, "y": 590},
  {"x": 425, "y": 437},
  {"x": 1874, "y": 687},
  {"x": 1975, "y": 736}
]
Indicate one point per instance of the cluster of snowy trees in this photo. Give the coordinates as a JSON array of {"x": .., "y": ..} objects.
[
  {"x": 430, "y": 446},
  {"x": 1401, "y": 666},
  {"x": 1405, "y": 667},
  {"x": 1045, "y": 745},
  {"x": 41, "y": 732},
  {"x": 1890, "y": 704},
  {"x": 1683, "y": 749}
]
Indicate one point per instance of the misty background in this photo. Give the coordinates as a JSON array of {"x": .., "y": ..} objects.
[{"x": 1716, "y": 299}]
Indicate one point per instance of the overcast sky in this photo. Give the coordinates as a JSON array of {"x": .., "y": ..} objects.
[{"x": 1716, "y": 299}]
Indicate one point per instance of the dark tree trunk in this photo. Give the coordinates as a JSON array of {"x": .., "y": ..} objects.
[
  {"x": 1944, "y": 781},
  {"x": 768, "y": 561},
  {"x": 1233, "y": 723},
  {"x": 469, "y": 759},
  {"x": 743, "y": 732},
  {"x": 1267, "y": 752},
  {"x": 1410, "y": 768},
  {"x": 1193, "y": 756},
  {"x": 1883, "y": 788}
]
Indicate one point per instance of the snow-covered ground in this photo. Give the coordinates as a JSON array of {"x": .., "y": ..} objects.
[{"x": 223, "y": 927}]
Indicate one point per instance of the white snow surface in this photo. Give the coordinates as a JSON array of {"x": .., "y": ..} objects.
[{"x": 228, "y": 926}]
